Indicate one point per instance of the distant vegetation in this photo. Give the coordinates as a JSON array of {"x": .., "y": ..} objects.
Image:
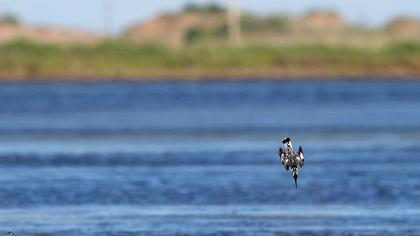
[
  {"x": 200, "y": 34},
  {"x": 250, "y": 24},
  {"x": 254, "y": 23},
  {"x": 9, "y": 19},
  {"x": 206, "y": 8},
  {"x": 122, "y": 59}
]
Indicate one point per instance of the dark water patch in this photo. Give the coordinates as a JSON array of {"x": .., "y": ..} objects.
[
  {"x": 319, "y": 184},
  {"x": 323, "y": 128},
  {"x": 370, "y": 157},
  {"x": 128, "y": 95}
]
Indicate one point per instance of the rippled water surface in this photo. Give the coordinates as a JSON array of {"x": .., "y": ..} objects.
[{"x": 194, "y": 158}]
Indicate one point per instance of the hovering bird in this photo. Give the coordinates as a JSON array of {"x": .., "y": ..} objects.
[{"x": 290, "y": 159}]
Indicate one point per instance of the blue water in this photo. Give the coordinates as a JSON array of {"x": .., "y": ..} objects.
[{"x": 195, "y": 158}]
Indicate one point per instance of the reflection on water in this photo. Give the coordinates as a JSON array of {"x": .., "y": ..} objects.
[{"x": 200, "y": 158}]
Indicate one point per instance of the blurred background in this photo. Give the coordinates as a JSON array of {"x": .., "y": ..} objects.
[
  {"x": 194, "y": 39},
  {"x": 165, "y": 117}
]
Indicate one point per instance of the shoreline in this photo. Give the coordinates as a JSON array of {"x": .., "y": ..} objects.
[{"x": 219, "y": 78}]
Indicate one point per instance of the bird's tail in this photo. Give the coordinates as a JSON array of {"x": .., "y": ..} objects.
[{"x": 295, "y": 175}]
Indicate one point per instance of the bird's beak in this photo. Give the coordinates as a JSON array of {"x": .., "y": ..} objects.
[{"x": 295, "y": 177}]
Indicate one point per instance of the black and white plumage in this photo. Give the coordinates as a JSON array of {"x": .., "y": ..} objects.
[{"x": 290, "y": 159}]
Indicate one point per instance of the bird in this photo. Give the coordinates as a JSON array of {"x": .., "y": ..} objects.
[{"x": 290, "y": 159}]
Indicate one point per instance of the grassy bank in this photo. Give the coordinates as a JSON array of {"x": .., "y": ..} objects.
[{"x": 22, "y": 59}]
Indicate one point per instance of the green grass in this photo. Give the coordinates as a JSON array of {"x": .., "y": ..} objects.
[{"x": 124, "y": 59}]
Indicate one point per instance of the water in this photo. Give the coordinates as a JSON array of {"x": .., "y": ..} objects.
[{"x": 191, "y": 158}]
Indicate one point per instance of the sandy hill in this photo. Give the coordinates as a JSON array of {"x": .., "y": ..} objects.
[
  {"x": 319, "y": 27},
  {"x": 10, "y": 32},
  {"x": 405, "y": 27},
  {"x": 172, "y": 29},
  {"x": 208, "y": 26},
  {"x": 321, "y": 20},
  {"x": 176, "y": 29}
]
